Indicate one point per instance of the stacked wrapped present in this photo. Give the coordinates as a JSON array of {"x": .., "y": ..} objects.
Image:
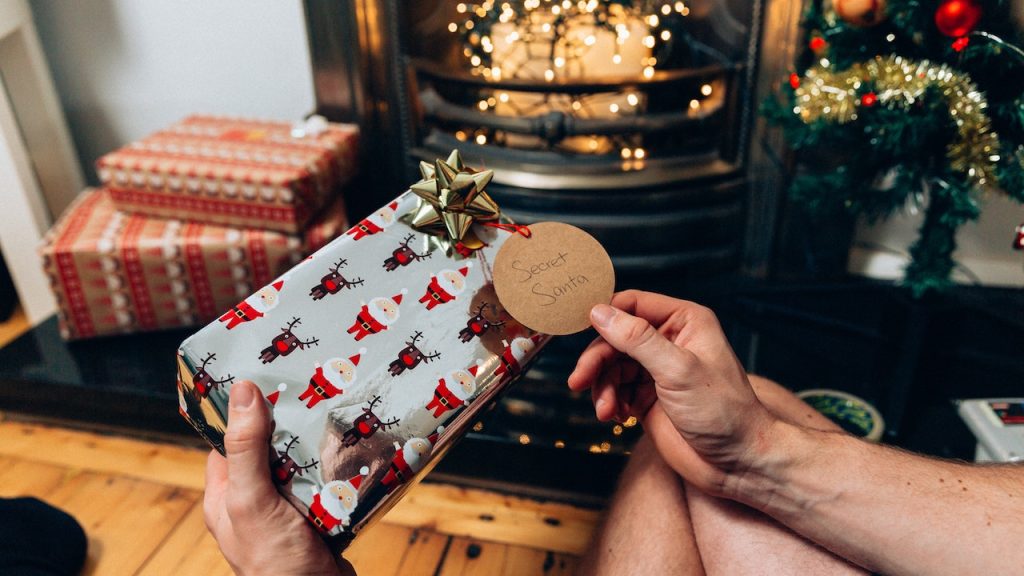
[{"x": 194, "y": 218}]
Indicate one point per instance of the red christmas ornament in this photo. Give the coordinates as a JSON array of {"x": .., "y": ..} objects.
[
  {"x": 960, "y": 43},
  {"x": 869, "y": 99},
  {"x": 794, "y": 81},
  {"x": 956, "y": 18},
  {"x": 1018, "y": 240},
  {"x": 817, "y": 44}
]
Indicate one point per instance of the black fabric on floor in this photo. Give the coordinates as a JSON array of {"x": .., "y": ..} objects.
[{"x": 37, "y": 539}]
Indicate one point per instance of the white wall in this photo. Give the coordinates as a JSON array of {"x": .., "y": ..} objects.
[{"x": 124, "y": 68}]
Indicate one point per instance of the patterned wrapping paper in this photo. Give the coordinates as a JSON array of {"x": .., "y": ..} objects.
[
  {"x": 376, "y": 354},
  {"x": 114, "y": 273},
  {"x": 233, "y": 172}
]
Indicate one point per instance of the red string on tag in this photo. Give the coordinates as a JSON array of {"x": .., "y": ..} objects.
[{"x": 522, "y": 229}]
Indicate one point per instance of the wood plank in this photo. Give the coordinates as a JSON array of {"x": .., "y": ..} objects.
[
  {"x": 23, "y": 478},
  {"x": 125, "y": 519},
  {"x": 471, "y": 557},
  {"x": 520, "y": 561},
  {"x": 447, "y": 509},
  {"x": 379, "y": 550},
  {"x": 424, "y": 554},
  {"x": 188, "y": 550},
  {"x": 496, "y": 518},
  {"x": 162, "y": 463}
]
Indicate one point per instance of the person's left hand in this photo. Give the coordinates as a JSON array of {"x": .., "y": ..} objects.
[{"x": 257, "y": 530}]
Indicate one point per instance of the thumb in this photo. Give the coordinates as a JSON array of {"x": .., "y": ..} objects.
[
  {"x": 635, "y": 337},
  {"x": 247, "y": 445}
]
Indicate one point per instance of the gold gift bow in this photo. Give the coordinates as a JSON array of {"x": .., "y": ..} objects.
[{"x": 452, "y": 199}]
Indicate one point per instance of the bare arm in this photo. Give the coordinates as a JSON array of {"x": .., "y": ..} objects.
[
  {"x": 888, "y": 510},
  {"x": 667, "y": 362}
]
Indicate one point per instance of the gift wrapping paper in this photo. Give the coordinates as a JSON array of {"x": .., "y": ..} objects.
[
  {"x": 114, "y": 273},
  {"x": 375, "y": 354},
  {"x": 235, "y": 172}
]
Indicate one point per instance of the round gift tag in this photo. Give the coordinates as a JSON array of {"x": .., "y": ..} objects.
[{"x": 549, "y": 281}]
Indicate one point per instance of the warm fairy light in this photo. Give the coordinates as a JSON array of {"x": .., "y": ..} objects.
[
  {"x": 632, "y": 99},
  {"x": 890, "y": 37},
  {"x": 545, "y": 27},
  {"x": 478, "y": 426},
  {"x": 590, "y": 40},
  {"x": 469, "y": 24},
  {"x": 496, "y": 73},
  {"x": 503, "y": 97},
  {"x": 706, "y": 89},
  {"x": 556, "y": 9},
  {"x": 559, "y": 62},
  {"x": 639, "y": 153},
  {"x": 694, "y": 104},
  {"x": 653, "y": 20},
  {"x": 482, "y": 105},
  {"x": 649, "y": 41},
  {"x": 617, "y": 430},
  {"x": 460, "y": 8},
  {"x": 825, "y": 63},
  {"x": 481, "y": 139},
  {"x": 606, "y": 446},
  {"x": 666, "y": 9},
  {"x": 595, "y": 449},
  {"x": 649, "y": 72},
  {"x": 630, "y": 422},
  {"x": 549, "y": 75},
  {"x": 453, "y": 27},
  {"x": 680, "y": 7},
  {"x": 613, "y": 108},
  {"x": 617, "y": 58},
  {"x": 475, "y": 60},
  {"x": 559, "y": 444},
  {"x": 524, "y": 439},
  {"x": 626, "y": 153},
  {"x": 666, "y": 35},
  {"x": 492, "y": 101},
  {"x": 593, "y": 143},
  {"x": 576, "y": 105}
]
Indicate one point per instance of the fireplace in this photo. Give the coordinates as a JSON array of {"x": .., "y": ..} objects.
[{"x": 632, "y": 119}]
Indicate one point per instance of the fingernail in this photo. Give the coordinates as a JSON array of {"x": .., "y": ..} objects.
[
  {"x": 242, "y": 396},
  {"x": 602, "y": 314},
  {"x": 599, "y": 405}
]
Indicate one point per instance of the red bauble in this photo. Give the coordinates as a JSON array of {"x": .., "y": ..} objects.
[
  {"x": 794, "y": 81},
  {"x": 868, "y": 100},
  {"x": 817, "y": 44},
  {"x": 961, "y": 43},
  {"x": 956, "y": 18},
  {"x": 860, "y": 13}
]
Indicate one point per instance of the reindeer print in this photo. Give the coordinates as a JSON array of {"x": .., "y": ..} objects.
[
  {"x": 204, "y": 382},
  {"x": 284, "y": 467},
  {"x": 479, "y": 324},
  {"x": 411, "y": 356},
  {"x": 334, "y": 282},
  {"x": 404, "y": 255},
  {"x": 366, "y": 425},
  {"x": 285, "y": 343}
]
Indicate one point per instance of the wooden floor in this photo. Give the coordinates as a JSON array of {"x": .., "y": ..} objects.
[{"x": 141, "y": 506}]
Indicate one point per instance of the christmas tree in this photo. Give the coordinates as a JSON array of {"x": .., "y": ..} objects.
[{"x": 903, "y": 102}]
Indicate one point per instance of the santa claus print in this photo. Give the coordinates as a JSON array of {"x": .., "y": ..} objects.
[
  {"x": 374, "y": 223},
  {"x": 334, "y": 282},
  {"x": 334, "y": 504},
  {"x": 330, "y": 379},
  {"x": 445, "y": 286},
  {"x": 515, "y": 355},
  {"x": 376, "y": 316},
  {"x": 454, "y": 391},
  {"x": 408, "y": 460},
  {"x": 284, "y": 467},
  {"x": 254, "y": 306}
]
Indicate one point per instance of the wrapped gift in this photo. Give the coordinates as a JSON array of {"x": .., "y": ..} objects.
[
  {"x": 114, "y": 272},
  {"x": 245, "y": 173},
  {"x": 376, "y": 353}
]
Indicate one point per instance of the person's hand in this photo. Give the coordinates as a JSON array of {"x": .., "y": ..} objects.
[
  {"x": 667, "y": 362},
  {"x": 257, "y": 530}
]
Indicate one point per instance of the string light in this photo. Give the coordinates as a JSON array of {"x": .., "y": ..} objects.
[
  {"x": 481, "y": 139},
  {"x": 706, "y": 89}
]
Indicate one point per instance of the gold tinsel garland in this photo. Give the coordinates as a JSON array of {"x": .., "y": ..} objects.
[{"x": 898, "y": 82}]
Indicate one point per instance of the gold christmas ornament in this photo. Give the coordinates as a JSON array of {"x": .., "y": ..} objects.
[
  {"x": 452, "y": 199},
  {"x": 897, "y": 82},
  {"x": 862, "y": 13}
]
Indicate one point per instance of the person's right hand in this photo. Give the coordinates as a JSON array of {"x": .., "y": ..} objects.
[{"x": 668, "y": 363}]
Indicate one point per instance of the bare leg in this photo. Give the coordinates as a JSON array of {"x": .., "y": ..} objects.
[
  {"x": 735, "y": 539},
  {"x": 646, "y": 529}
]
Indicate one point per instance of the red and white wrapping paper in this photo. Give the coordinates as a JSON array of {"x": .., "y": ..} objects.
[
  {"x": 114, "y": 273},
  {"x": 235, "y": 172}
]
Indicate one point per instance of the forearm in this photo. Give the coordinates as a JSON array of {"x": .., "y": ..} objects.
[{"x": 887, "y": 510}]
